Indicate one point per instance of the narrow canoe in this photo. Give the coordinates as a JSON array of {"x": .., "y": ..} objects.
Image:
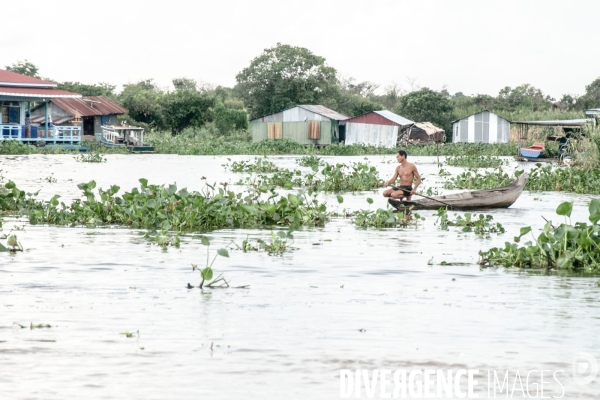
[{"x": 501, "y": 197}]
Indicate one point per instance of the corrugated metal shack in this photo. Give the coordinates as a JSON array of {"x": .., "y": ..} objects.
[
  {"x": 377, "y": 128},
  {"x": 481, "y": 127},
  {"x": 305, "y": 124},
  {"x": 95, "y": 111}
]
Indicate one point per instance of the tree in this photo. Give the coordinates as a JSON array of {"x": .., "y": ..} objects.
[
  {"x": 426, "y": 105},
  {"x": 25, "y": 68},
  {"x": 524, "y": 96},
  {"x": 591, "y": 98},
  {"x": 229, "y": 119},
  {"x": 100, "y": 89},
  {"x": 143, "y": 100},
  {"x": 186, "y": 106},
  {"x": 284, "y": 76}
]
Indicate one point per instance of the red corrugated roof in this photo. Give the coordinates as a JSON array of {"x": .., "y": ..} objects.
[
  {"x": 14, "y": 79},
  {"x": 90, "y": 105},
  {"x": 35, "y": 92}
]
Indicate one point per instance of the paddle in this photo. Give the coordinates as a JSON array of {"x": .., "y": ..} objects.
[{"x": 439, "y": 201}]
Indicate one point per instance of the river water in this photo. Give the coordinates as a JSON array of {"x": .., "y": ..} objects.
[{"x": 344, "y": 298}]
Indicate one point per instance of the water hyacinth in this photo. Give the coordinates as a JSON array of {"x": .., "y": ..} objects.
[
  {"x": 564, "y": 247},
  {"x": 160, "y": 207}
]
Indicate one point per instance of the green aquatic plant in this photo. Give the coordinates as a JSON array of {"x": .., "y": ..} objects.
[
  {"x": 476, "y": 161},
  {"x": 206, "y": 273},
  {"x": 12, "y": 245},
  {"x": 311, "y": 161},
  {"x": 163, "y": 238},
  {"x": 356, "y": 176},
  {"x": 91, "y": 157},
  {"x": 571, "y": 247},
  {"x": 257, "y": 166},
  {"x": 278, "y": 244},
  {"x": 474, "y": 180},
  {"x": 160, "y": 207},
  {"x": 564, "y": 179},
  {"x": 479, "y": 224}
]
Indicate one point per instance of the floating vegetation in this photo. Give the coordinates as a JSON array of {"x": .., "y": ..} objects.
[
  {"x": 278, "y": 244},
  {"x": 259, "y": 165},
  {"x": 479, "y": 224},
  {"x": 565, "y": 247},
  {"x": 476, "y": 161},
  {"x": 91, "y": 157},
  {"x": 206, "y": 273},
  {"x": 39, "y": 326},
  {"x": 542, "y": 178},
  {"x": 311, "y": 161},
  {"x": 12, "y": 245},
  {"x": 130, "y": 334},
  {"x": 384, "y": 218},
  {"x": 164, "y": 238},
  {"x": 565, "y": 179},
  {"x": 160, "y": 207},
  {"x": 474, "y": 180}
]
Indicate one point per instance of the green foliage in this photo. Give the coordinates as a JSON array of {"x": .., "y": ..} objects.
[
  {"x": 426, "y": 105},
  {"x": 284, "y": 76},
  {"x": 164, "y": 238},
  {"x": 25, "y": 68},
  {"x": 480, "y": 224},
  {"x": 278, "y": 244},
  {"x": 100, "y": 89},
  {"x": 474, "y": 180},
  {"x": 162, "y": 207},
  {"x": 229, "y": 119},
  {"x": 384, "y": 218},
  {"x": 206, "y": 273},
  {"x": 566, "y": 247},
  {"x": 186, "y": 107},
  {"x": 143, "y": 100},
  {"x": 91, "y": 157},
  {"x": 259, "y": 165},
  {"x": 566, "y": 179},
  {"x": 311, "y": 161},
  {"x": 476, "y": 161}
]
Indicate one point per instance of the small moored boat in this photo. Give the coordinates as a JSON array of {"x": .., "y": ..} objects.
[
  {"x": 501, "y": 197},
  {"x": 534, "y": 151}
]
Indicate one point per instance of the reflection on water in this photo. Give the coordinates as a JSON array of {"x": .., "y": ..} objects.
[{"x": 359, "y": 299}]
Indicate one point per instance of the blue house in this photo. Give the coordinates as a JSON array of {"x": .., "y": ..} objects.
[{"x": 18, "y": 93}]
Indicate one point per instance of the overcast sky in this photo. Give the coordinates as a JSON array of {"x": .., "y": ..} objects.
[{"x": 471, "y": 46}]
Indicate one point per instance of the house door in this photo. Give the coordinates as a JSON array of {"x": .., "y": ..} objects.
[
  {"x": 88, "y": 125},
  {"x": 342, "y": 133}
]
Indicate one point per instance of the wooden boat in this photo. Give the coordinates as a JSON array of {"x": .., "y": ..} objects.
[
  {"x": 534, "y": 151},
  {"x": 129, "y": 137},
  {"x": 501, "y": 197}
]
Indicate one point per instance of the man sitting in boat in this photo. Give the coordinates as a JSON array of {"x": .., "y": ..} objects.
[{"x": 407, "y": 173}]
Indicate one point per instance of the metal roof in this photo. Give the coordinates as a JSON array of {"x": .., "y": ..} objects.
[
  {"x": 592, "y": 111},
  {"x": 9, "y": 78},
  {"x": 400, "y": 120},
  {"x": 558, "y": 122},
  {"x": 38, "y": 119},
  {"x": 90, "y": 105},
  {"x": 324, "y": 111},
  {"x": 481, "y": 112},
  {"x": 35, "y": 92}
]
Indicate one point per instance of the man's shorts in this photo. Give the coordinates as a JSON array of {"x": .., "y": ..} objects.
[{"x": 406, "y": 189}]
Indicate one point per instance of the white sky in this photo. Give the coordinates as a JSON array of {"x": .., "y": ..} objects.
[{"x": 473, "y": 46}]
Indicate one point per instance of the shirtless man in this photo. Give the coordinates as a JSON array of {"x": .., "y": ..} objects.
[{"x": 407, "y": 173}]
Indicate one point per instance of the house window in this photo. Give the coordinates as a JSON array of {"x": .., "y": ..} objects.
[{"x": 482, "y": 127}]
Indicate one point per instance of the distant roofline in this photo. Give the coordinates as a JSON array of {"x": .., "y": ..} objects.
[
  {"x": 301, "y": 106},
  {"x": 481, "y": 112}
]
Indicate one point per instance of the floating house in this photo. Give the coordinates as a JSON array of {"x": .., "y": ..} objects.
[
  {"x": 94, "y": 112},
  {"x": 481, "y": 127},
  {"x": 377, "y": 128},
  {"x": 17, "y": 93},
  {"x": 305, "y": 124}
]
